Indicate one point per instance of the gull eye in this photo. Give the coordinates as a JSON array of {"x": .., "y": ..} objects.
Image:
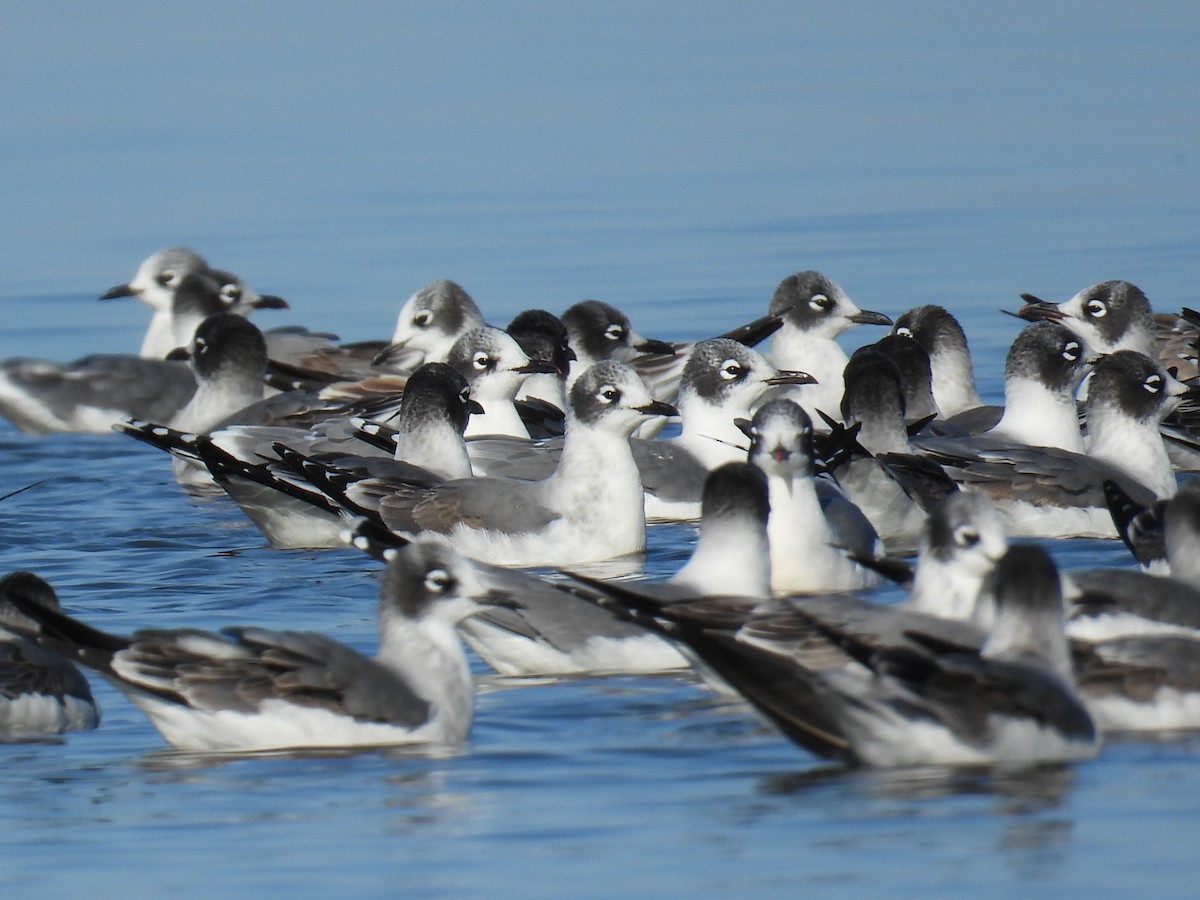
[
  {"x": 464, "y": 396},
  {"x": 819, "y": 302},
  {"x": 731, "y": 369},
  {"x": 230, "y": 294},
  {"x": 481, "y": 360},
  {"x": 609, "y": 393},
  {"x": 1070, "y": 351},
  {"x": 1153, "y": 384},
  {"x": 966, "y": 536},
  {"x": 199, "y": 345},
  {"x": 1095, "y": 308},
  {"x": 167, "y": 277},
  {"x": 438, "y": 581},
  {"x": 903, "y": 331},
  {"x": 423, "y": 318},
  {"x": 614, "y": 332}
]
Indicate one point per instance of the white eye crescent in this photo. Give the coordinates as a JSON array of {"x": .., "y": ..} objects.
[
  {"x": 731, "y": 369},
  {"x": 437, "y": 581},
  {"x": 481, "y": 360},
  {"x": 1153, "y": 384},
  {"x": 904, "y": 331},
  {"x": 1070, "y": 351},
  {"x": 609, "y": 393},
  {"x": 614, "y": 332},
  {"x": 1095, "y": 308},
  {"x": 966, "y": 536},
  {"x": 819, "y": 302},
  {"x": 423, "y": 318}
]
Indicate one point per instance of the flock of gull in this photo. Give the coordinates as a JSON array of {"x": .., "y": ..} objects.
[{"x": 463, "y": 455}]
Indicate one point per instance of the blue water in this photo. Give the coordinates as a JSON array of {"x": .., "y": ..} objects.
[{"x": 676, "y": 160}]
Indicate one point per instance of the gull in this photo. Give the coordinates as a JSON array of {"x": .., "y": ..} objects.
[
  {"x": 923, "y": 700},
  {"x": 41, "y": 693},
  {"x": 249, "y": 689},
  {"x": 814, "y": 311},
  {"x": 155, "y": 282}
]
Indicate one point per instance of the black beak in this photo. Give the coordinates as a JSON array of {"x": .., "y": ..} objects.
[
  {"x": 270, "y": 301},
  {"x": 390, "y": 354},
  {"x": 745, "y": 426},
  {"x": 867, "y": 317},
  {"x": 474, "y": 408},
  {"x": 179, "y": 354},
  {"x": 538, "y": 367},
  {"x": 1035, "y": 309},
  {"x": 648, "y": 345},
  {"x": 789, "y": 376},
  {"x": 121, "y": 290},
  {"x": 657, "y": 408}
]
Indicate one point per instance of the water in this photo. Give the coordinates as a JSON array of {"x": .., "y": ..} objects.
[{"x": 676, "y": 160}]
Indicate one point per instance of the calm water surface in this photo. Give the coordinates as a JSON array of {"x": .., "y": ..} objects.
[{"x": 677, "y": 161}]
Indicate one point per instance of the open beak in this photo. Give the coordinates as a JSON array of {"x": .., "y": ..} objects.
[{"x": 1035, "y": 309}]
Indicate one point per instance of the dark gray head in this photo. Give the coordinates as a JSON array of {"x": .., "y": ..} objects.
[
  {"x": 239, "y": 298},
  {"x": 543, "y": 336},
  {"x": 1111, "y": 315},
  {"x": 612, "y": 392},
  {"x": 599, "y": 331},
  {"x": 198, "y": 294},
  {"x": 933, "y": 327},
  {"x": 159, "y": 272},
  {"x": 874, "y": 389},
  {"x": 435, "y": 392},
  {"x": 1025, "y": 578},
  {"x": 227, "y": 343},
  {"x": 1026, "y": 595},
  {"x": 964, "y": 524},
  {"x": 1133, "y": 385},
  {"x": 735, "y": 491},
  {"x": 434, "y": 317},
  {"x": 781, "y": 439},
  {"x": 811, "y": 302},
  {"x": 428, "y": 577},
  {"x": 32, "y": 589},
  {"x": 1049, "y": 354},
  {"x": 720, "y": 368},
  {"x": 916, "y": 374}
]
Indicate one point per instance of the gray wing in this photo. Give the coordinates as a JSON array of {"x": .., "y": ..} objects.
[
  {"x": 153, "y": 389},
  {"x": 1136, "y": 667},
  {"x": 1038, "y": 475},
  {"x": 26, "y": 668},
  {"x": 302, "y": 668},
  {"x": 1166, "y": 600},
  {"x": 493, "y": 504},
  {"x": 669, "y": 471},
  {"x": 504, "y": 457},
  {"x": 852, "y": 530}
]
